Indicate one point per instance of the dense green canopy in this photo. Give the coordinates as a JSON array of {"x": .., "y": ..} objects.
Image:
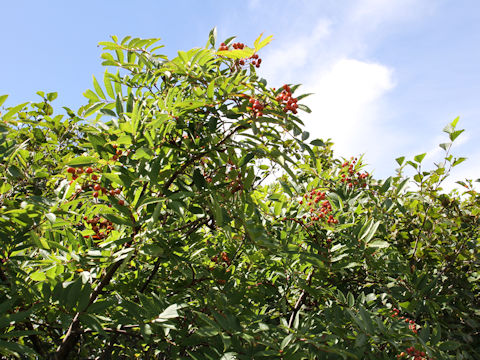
[{"x": 183, "y": 213}]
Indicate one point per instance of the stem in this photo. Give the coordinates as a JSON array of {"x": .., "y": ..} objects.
[
  {"x": 73, "y": 332},
  {"x": 300, "y": 301}
]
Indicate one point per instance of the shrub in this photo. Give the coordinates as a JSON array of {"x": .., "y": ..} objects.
[{"x": 182, "y": 214}]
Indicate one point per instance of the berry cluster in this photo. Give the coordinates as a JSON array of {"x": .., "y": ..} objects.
[
  {"x": 222, "y": 258},
  {"x": 318, "y": 211},
  {"x": 223, "y": 47},
  {"x": 236, "y": 183},
  {"x": 257, "y": 107},
  {"x": 79, "y": 171},
  {"x": 240, "y": 46},
  {"x": 412, "y": 326},
  {"x": 119, "y": 153},
  {"x": 413, "y": 354},
  {"x": 350, "y": 176},
  {"x": 101, "y": 227},
  {"x": 254, "y": 60},
  {"x": 91, "y": 181},
  {"x": 285, "y": 98}
]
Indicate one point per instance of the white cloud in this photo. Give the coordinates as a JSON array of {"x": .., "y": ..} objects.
[
  {"x": 287, "y": 60},
  {"x": 345, "y": 105},
  {"x": 349, "y": 103}
]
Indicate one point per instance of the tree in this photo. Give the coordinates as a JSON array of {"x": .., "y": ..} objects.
[{"x": 182, "y": 214}]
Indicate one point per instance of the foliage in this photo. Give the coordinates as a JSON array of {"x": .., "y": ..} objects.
[{"x": 182, "y": 214}]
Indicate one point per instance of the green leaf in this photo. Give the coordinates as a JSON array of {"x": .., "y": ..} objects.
[
  {"x": 368, "y": 230},
  {"x": 458, "y": 161},
  {"x": 38, "y": 135},
  {"x": 92, "y": 322},
  {"x": 15, "y": 172},
  {"x": 115, "y": 178},
  {"x": 18, "y": 350},
  {"x": 98, "y": 89},
  {"x": 350, "y": 300},
  {"x": 2, "y": 99},
  {"x": 419, "y": 158},
  {"x": 450, "y": 128},
  {"x": 218, "y": 212},
  {"x": 259, "y": 43},
  {"x": 445, "y": 146},
  {"x": 170, "y": 312},
  {"x": 455, "y": 134},
  {"x": 246, "y": 158},
  {"x": 336, "y": 200},
  {"x": 130, "y": 101},
  {"x": 38, "y": 276},
  {"x": 210, "y": 89},
  {"x": 400, "y": 160},
  {"x": 380, "y": 244},
  {"x": 89, "y": 94},
  {"x": 51, "y": 217},
  {"x": 386, "y": 185},
  {"x": 96, "y": 140},
  {"x": 199, "y": 179},
  {"x": 449, "y": 345},
  {"x": 212, "y": 37},
  {"x": 108, "y": 85},
  {"x": 119, "y": 105},
  {"x": 305, "y": 108},
  {"x": 124, "y": 140},
  {"x": 366, "y": 319},
  {"x": 12, "y": 111},
  {"x": 117, "y": 219},
  {"x": 402, "y": 185},
  {"x": 317, "y": 142},
  {"x": 82, "y": 161}
]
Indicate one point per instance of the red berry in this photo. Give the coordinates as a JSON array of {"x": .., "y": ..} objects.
[
  {"x": 94, "y": 177},
  {"x": 80, "y": 171},
  {"x": 89, "y": 170},
  {"x": 95, "y": 194},
  {"x": 97, "y": 187},
  {"x": 71, "y": 170},
  {"x": 121, "y": 202}
]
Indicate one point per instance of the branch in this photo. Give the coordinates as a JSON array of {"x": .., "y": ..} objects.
[
  {"x": 152, "y": 275},
  {"x": 198, "y": 223},
  {"x": 73, "y": 332},
  {"x": 198, "y": 156},
  {"x": 300, "y": 301}
]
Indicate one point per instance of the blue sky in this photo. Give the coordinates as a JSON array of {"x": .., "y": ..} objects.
[{"x": 387, "y": 74}]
